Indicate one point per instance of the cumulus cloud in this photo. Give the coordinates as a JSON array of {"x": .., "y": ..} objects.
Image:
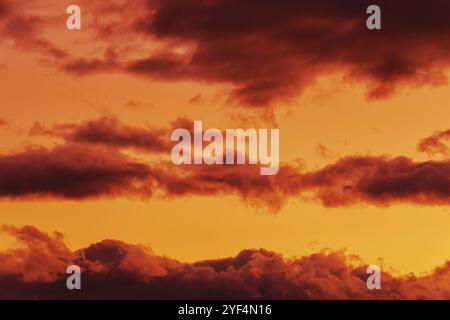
[
  {"x": 40, "y": 258},
  {"x": 113, "y": 269}
]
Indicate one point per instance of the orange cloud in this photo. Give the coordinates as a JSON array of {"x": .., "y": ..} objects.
[
  {"x": 90, "y": 164},
  {"x": 80, "y": 172},
  {"x": 272, "y": 51},
  {"x": 19, "y": 24},
  {"x": 112, "y": 269},
  {"x": 379, "y": 181},
  {"x": 352, "y": 180},
  {"x": 40, "y": 258},
  {"x": 71, "y": 172},
  {"x": 265, "y": 52},
  {"x": 109, "y": 131},
  {"x": 436, "y": 144}
]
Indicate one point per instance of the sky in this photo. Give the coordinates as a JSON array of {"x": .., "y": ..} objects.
[{"x": 86, "y": 116}]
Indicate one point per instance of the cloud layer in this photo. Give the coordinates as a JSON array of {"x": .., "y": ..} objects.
[
  {"x": 90, "y": 163},
  {"x": 113, "y": 269},
  {"x": 271, "y": 51},
  {"x": 265, "y": 51},
  {"x": 83, "y": 171}
]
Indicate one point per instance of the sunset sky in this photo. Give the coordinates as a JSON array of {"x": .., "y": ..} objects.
[{"x": 86, "y": 116}]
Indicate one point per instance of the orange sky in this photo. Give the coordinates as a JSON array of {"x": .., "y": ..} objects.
[{"x": 330, "y": 111}]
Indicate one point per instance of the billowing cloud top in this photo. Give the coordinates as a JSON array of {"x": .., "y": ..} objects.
[{"x": 113, "y": 269}]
